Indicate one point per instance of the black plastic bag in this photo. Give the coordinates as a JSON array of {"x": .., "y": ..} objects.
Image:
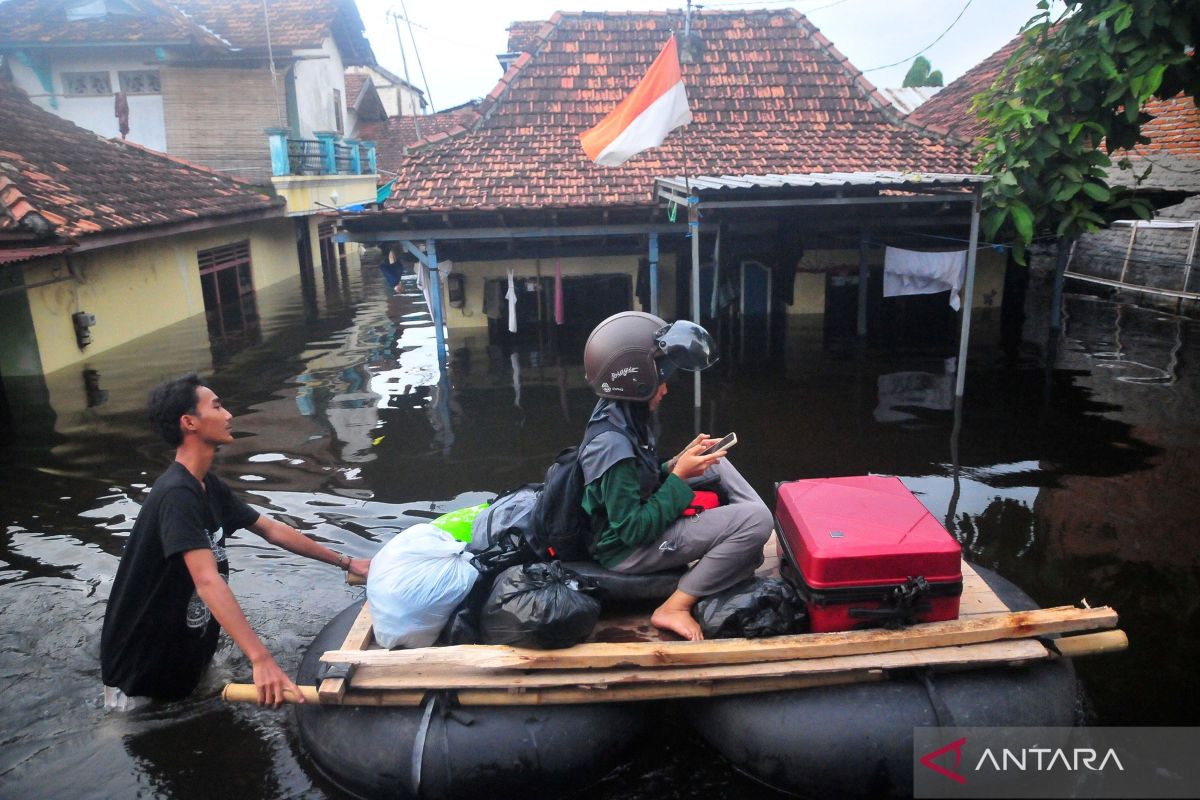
[
  {"x": 539, "y": 605},
  {"x": 754, "y": 608},
  {"x": 509, "y": 550},
  {"x": 463, "y": 625}
]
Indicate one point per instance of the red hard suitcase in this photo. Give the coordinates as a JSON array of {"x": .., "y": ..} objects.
[{"x": 867, "y": 552}]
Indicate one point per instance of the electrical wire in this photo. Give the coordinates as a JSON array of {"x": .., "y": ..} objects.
[
  {"x": 417, "y": 53},
  {"x": 926, "y": 47}
]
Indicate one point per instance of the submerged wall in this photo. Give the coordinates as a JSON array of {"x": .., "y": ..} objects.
[{"x": 138, "y": 288}]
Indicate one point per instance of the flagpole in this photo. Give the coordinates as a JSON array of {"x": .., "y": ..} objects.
[{"x": 693, "y": 219}]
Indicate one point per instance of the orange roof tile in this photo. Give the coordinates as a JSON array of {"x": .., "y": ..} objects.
[
  {"x": 293, "y": 24},
  {"x": 769, "y": 95},
  {"x": 52, "y": 171}
]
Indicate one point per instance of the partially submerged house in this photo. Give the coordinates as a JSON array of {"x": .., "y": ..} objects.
[
  {"x": 507, "y": 189},
  {"x": 103, "y": 241},
  {"x": 1158, "y": 256}
]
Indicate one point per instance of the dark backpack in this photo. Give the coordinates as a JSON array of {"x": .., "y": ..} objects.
[{"x": 558, "y": 526}]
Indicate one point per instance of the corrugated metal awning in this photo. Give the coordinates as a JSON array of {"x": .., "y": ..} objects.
[{"x": 751, "y": 184}]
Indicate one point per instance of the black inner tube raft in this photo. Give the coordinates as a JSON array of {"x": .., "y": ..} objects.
[
  {"x": 443, "y": 751},
  {"x": 857, "y": 740}
]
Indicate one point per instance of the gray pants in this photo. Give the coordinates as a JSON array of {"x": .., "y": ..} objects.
[{"x": 725, "y": 542}]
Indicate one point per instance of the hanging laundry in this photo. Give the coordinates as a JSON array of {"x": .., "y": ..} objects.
[
  {"x": 121, "y": 112},
  {"x": 913, "y": 272},
  {"x": 511, "y": 296},
  {"x": 558, "y": 292}
]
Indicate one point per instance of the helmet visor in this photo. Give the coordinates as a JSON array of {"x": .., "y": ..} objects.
[{"x": 686, "y": 345}]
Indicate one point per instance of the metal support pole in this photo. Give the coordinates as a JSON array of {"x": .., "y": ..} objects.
[
  {"x": 968, "y": 294},
  {"x": 654, "y": 274},
  {"x": 694, "y": 232},
  {"x": 864, "y": 280},
  {"x": 435, "y": 290},
  {"x": 1065, "y": 247},
  {"x": 716, "y": 278}
]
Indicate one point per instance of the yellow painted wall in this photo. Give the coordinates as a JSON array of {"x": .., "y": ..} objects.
[
  {"x": 304, "y": 192},
  {"x": 477, "y": 273},
  {"x": 136, "y": 289}
]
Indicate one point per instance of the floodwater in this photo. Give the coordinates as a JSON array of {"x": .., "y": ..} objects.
[{"x": 1077, "y": 480}]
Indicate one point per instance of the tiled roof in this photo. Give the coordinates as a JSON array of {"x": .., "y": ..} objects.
[
  {"x": 393, "y": 136},
  {"x": 230, "y": 24},
  {"x": 354, "y": 85},
  {"x": 950, "y": 109},
  {"x": 521, "y": 35},
  {"x": 52, "y": 171},
  {"x": 1175, "y": 129},
  {"x": 42, "y": 22},
  {"x": 771, "y": 94}
]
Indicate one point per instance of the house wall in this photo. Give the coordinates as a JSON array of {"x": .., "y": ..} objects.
[
  {"x": 809, "y": 292},
  {"x": 139, "y": 288},
  {"x": 316, "y": 79},
  {"x": 96, "y": 112},
  {"x": 477, "y": 273},
  {"x": 216, "y": 117},
  {"x": 397, "y": 99},
  {"x": 304, "y": 192}
]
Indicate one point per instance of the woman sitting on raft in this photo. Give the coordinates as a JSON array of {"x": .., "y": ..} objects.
[{"x": 633, "y": 500}]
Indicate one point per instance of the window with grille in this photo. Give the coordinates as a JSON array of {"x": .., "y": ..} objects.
[
  {"x": 86, "y": 84},
  {"x": 225, "y": 276},
  {"x": 142, "y": 81}
]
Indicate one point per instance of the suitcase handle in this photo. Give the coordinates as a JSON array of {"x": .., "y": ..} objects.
[{"x": 902, "y": 604}]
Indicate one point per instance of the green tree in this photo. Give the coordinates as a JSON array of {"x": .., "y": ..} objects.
[
  {"x": 1072, "y": 95},
  {"x": 919, "y": 74}
]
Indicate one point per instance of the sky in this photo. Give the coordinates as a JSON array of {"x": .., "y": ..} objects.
[{"x": 457, "y": 40}]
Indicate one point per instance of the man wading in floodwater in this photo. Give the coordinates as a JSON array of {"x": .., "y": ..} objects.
[{"x": 170, "y": 598}]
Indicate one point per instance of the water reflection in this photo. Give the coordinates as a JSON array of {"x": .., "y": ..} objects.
[{"x": 1075, "y": 480}]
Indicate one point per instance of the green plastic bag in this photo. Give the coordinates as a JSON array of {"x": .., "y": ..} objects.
[{"x": 458, "y": 523}]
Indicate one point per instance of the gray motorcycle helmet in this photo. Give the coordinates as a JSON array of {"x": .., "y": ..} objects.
[{"x": 629, "y": 354}]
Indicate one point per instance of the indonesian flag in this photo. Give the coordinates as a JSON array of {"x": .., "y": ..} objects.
[{"x": 655, "y": 107}]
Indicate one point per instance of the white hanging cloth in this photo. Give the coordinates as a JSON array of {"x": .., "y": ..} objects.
[
  {"x": 511, "y": 296},
  {"x": 914, "y": 272}
]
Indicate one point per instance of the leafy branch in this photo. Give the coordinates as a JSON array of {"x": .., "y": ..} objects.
[{"x": 1071, "y": 96}]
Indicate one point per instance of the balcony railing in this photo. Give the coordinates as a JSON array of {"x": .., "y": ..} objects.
[{"x": 328, "y": 154}]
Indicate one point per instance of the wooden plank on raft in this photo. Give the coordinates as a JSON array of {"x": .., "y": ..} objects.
[
  {"x": 1075, "y": 646},
  {"x": 384, "y": 676},
  {"x": 359, "y": 638},
  {"x": 968, "y": 630},
  {"x": 977, "y": 596}
]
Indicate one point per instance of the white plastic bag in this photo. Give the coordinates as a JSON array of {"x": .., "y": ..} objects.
[{"x": 416, "y": 580}]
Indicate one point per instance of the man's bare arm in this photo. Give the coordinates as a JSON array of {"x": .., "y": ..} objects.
[
  {"x": 270, "y": 680},
  {"x": 289, "y": 538}
]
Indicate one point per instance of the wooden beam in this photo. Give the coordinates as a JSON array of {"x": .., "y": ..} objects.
[
  {"x": 358, "y": 638},
  {"x": 597, "y": 655},
  {"x": 433, "y": 677},
  {"x": 246, "y": 692}
]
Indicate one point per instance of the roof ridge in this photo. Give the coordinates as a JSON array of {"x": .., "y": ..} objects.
[
  {"x": 187, "y": 18},
  {"x": 486, "y": 106}
]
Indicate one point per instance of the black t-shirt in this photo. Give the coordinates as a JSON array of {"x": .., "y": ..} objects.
[{"x": 158, "y": 635}]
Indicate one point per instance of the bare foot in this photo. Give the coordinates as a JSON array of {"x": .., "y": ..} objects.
[{"x": 677, "y": 620}]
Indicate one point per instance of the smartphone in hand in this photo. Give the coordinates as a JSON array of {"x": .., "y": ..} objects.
[{"x": 728, "y": 441}]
